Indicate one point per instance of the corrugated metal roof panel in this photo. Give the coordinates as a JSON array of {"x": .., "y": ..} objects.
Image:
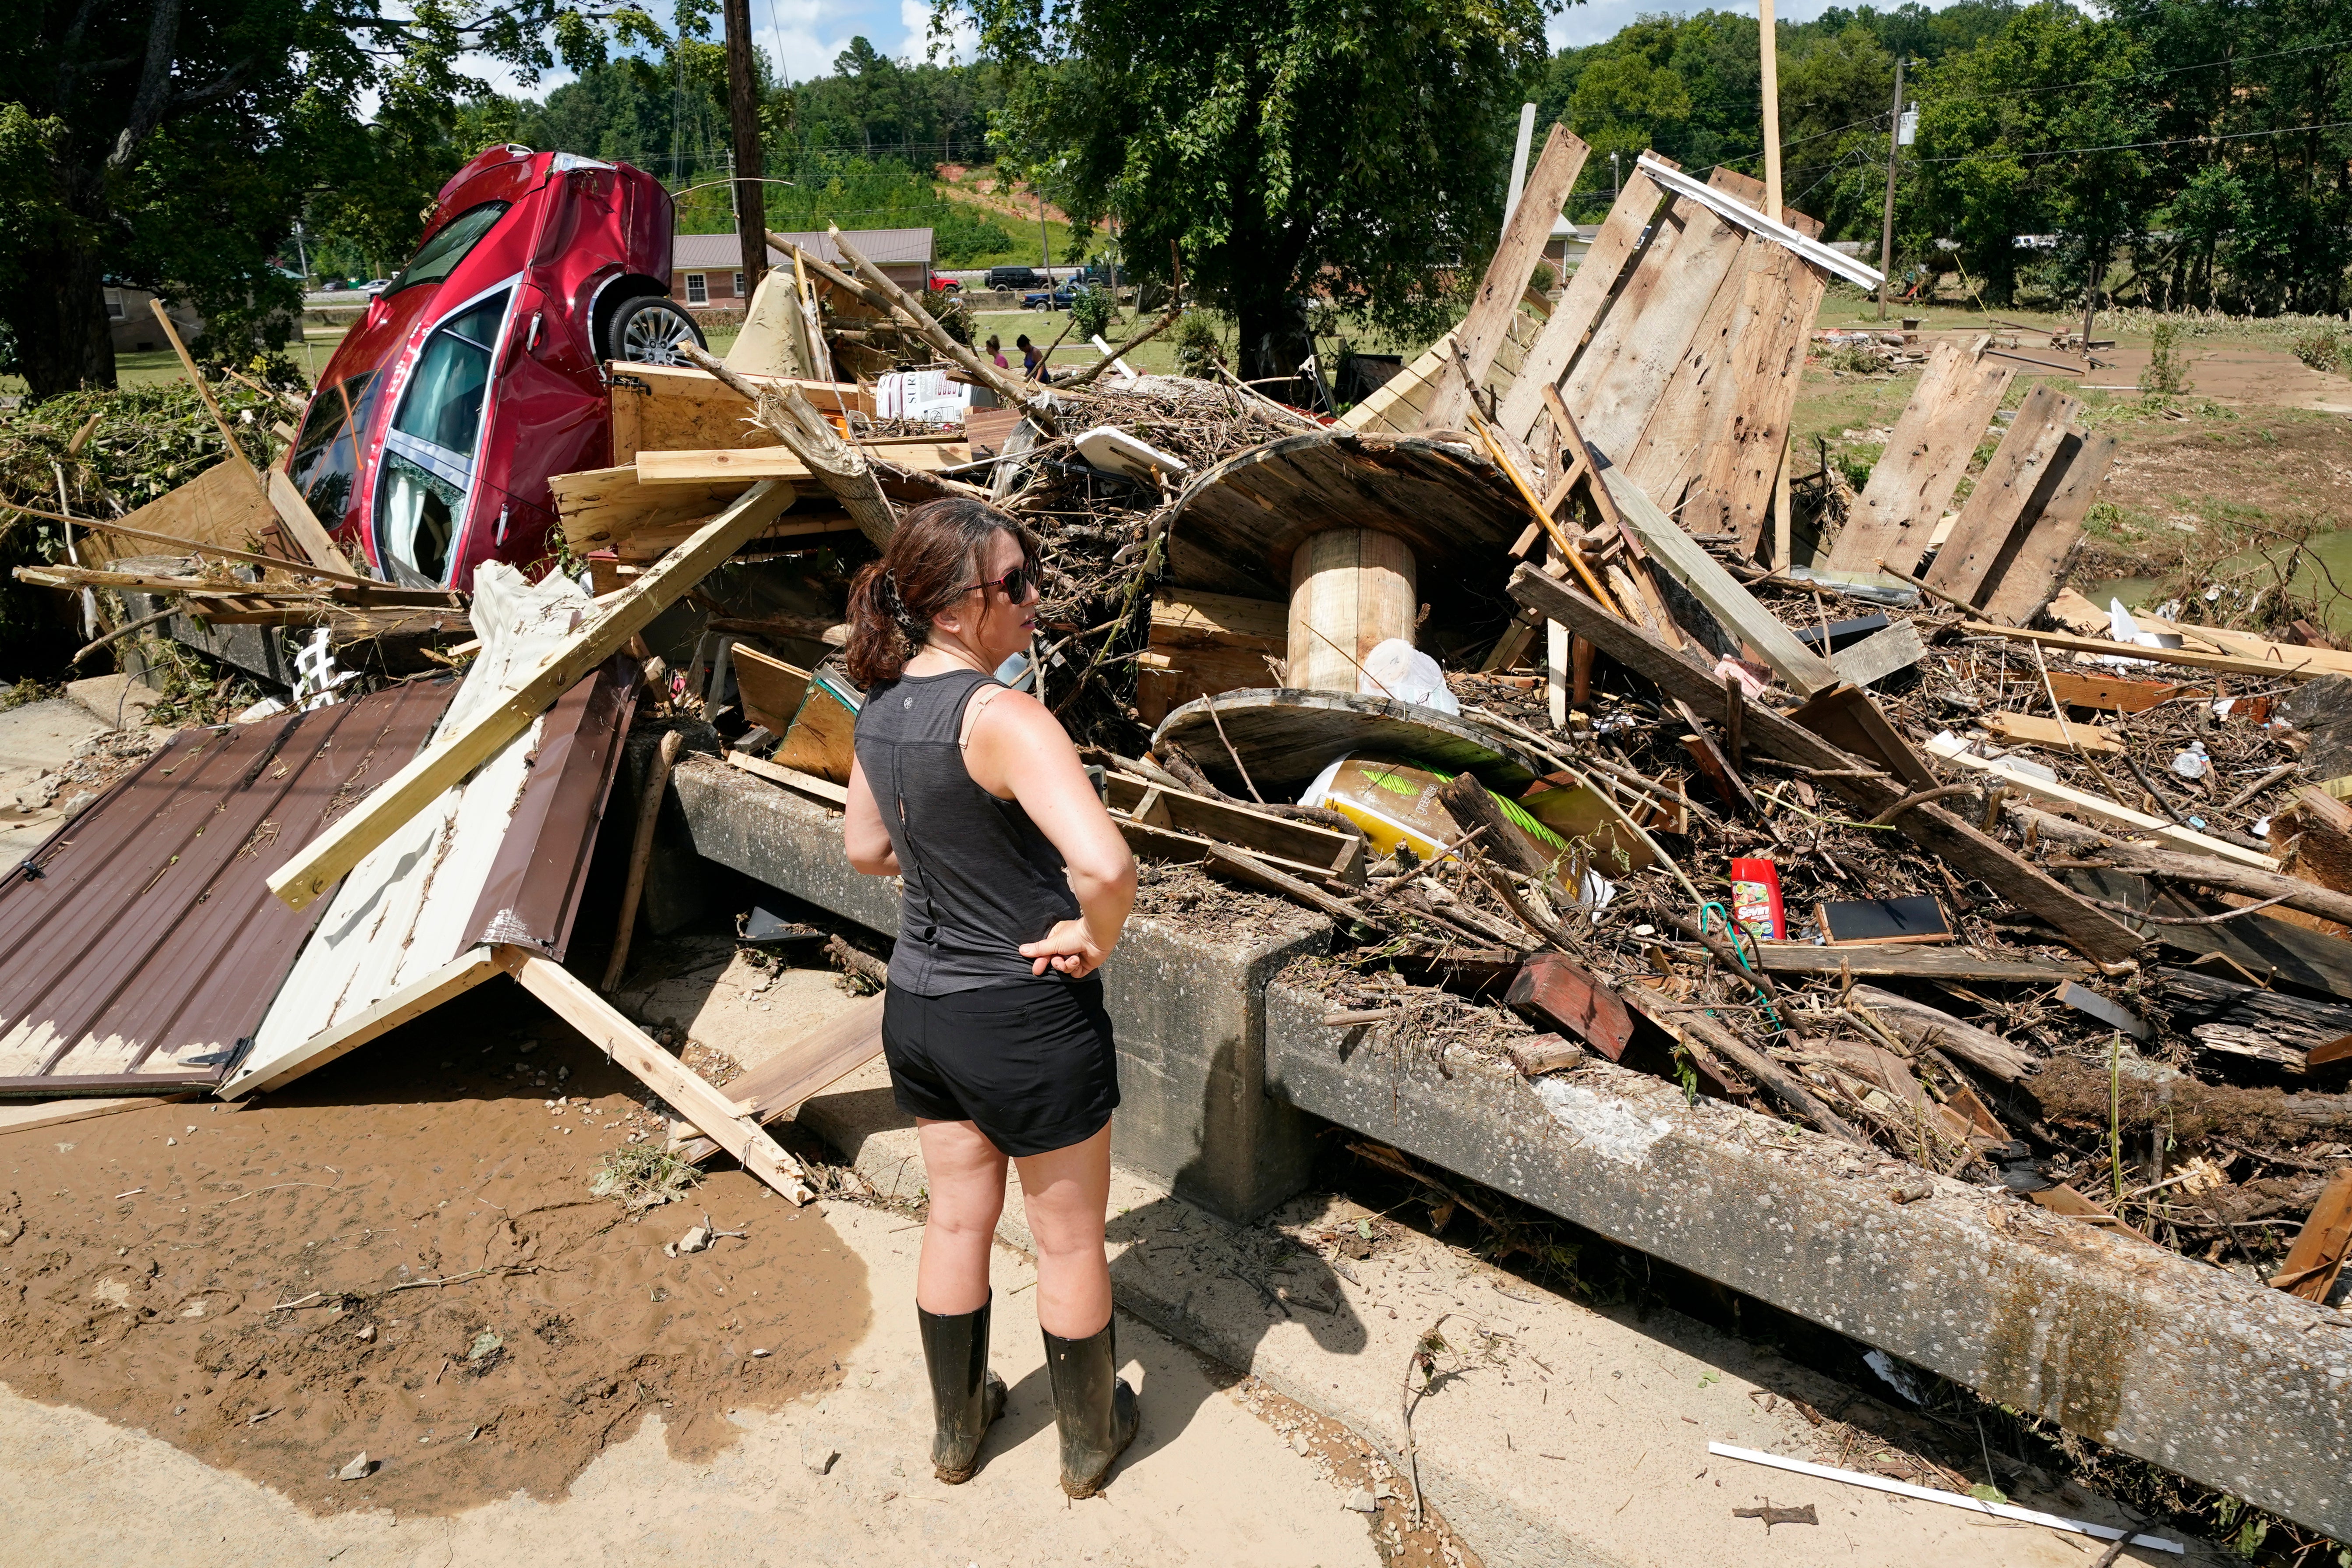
[
  {"x": 140, "y": 946},
  {"x": 882, "y": 246}
]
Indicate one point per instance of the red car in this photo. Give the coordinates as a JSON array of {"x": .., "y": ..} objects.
[
  {"x": 940, "y": 283},
  {"x": 480, "y": 372}
]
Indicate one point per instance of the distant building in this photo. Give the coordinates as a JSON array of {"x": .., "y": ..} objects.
[
  {"x": 131, "y": 319},
  {"x": 707, "y": 270}
]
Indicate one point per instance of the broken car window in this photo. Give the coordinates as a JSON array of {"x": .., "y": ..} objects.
[
  {"x": 326, "y": 462},
  {"x": 430, "y": 451}
]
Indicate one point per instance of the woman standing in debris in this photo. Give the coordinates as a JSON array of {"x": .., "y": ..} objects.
[
  {"x": 1015, "y": 885},
  {"x": 996, "y": 352}
]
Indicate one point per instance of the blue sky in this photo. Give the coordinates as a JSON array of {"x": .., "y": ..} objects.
[{"x": 806, "y": 35}]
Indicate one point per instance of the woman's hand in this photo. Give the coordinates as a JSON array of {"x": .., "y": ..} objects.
[{"x": 1070, "y": 947}]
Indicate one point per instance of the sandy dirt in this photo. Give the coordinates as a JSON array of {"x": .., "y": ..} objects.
[{"x": 147, "y": 1256}]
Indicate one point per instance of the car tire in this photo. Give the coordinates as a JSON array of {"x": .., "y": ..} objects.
[{"x": 648, "y": 329}]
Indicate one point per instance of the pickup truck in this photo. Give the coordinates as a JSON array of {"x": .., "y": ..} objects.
[{"x": 1057, "y": 299}]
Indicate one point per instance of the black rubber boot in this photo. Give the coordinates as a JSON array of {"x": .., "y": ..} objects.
[
  {"x": 966, "y": 1398},
  {"x": 1094, "y": 1408}
]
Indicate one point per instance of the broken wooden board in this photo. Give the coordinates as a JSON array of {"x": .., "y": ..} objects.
[
  {"x": 1925, "y": 460},
  {"x": 43, "y": 1113},
  {"x": 714, "y": 1115},
  {"x": 1559, "y": 992},
  {"x": 1207, "y": 644},
  {"x": 803, "y": 1068},
  {"x": 220, "y": 506},
  {"x": 1590, "y": 289},
  {"x": 2251, "y": 1021},
  {"x": 2290, "y": 663},
  {"x": 2317, "y": 1257},
  {"x": 318, "y": 864},
  {"x": 663, "y": 408},
  {"x": 771, "y": 690},
  {"x": 1912, "y": 963},
  {"x": 2010, "y": 494},
  {"x": 2111, "y": 693},
  {"x": 1286, "y": 736},
  {"x": 1525, "y": 233},
  {"x": 2066, "y": 1201},
  {"x": 2098, "y": 808},
  {"x": 809, "y": 529},
  {"x": 2023, "y": 581},
  {"x": 1969, "y": 852},
  {"x": 1236, "y": 525},
  {"x": 1846, "y": 718},
  {"x": 1882, "y": 654},
  {"x": 1324, "y": 853},
  {"x": 454, "y": 978},
  {"x": 597, "y": 508},
  {"x": 1678, "y": 554},
  {"x": 1922, "y": 1027},
  {"x": 295, "y": 516},
  {"x": 822, "y": 791},
  {"x": 2058, "y": 734}
]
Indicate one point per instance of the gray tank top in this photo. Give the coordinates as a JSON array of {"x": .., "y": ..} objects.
[{"x": 979, "y": 880}]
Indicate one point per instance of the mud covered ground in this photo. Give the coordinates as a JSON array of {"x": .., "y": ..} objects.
[{"x": 401, "y": 1255}]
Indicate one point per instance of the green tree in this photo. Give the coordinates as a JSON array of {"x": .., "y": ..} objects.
[{"x": 1354, "y": 152}]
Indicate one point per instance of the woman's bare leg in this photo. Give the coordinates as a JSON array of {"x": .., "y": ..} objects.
[
  {"x": 1066, "y": 1193},
  {"x": 966, "y": 1176}
]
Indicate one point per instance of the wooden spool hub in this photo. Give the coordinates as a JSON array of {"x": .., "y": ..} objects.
[{"x": 1351, "y": 589}]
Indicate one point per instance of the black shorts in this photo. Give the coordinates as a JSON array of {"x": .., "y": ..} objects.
[{"x": 1030, "y": 1062}]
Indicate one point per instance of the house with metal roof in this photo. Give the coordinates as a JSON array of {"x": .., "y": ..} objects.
[{"x": 707, "y": 270}]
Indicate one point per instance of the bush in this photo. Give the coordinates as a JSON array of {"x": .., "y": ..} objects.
[
  {"x": 1545, "y": 278},
  {"x": 950, "y": 313},
  {"x": 1196, "y": 344},
  {"x": 1091, "y": 311},
  {"x": 2320, "y": 351},
  {"x": 2167, "y": 375}
]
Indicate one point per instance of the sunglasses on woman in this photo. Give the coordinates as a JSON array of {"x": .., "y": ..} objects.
[{"x": 1016, "y": 584}]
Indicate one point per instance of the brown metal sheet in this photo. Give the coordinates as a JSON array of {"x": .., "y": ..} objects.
[
  {"x": 532, "y": 892},
  {"x": 139, "y": 945}
]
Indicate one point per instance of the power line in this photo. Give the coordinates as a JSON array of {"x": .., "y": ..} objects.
[{"x": 2134, "y": 146}]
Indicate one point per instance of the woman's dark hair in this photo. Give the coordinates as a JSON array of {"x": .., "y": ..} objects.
[
  {"x": 933, "y": 557},
  {"x": 1023, "y": 342}
]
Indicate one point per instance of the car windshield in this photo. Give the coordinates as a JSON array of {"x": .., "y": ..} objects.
[
  {"x": 440, "y": 255},
  {"x": 326, "y": 463}
]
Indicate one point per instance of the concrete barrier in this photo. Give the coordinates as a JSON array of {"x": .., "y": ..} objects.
[
  {"x": 1188, "y": 1008},
  {"x": 2196, "y": 1369}
]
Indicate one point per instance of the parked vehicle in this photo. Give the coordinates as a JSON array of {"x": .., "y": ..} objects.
[
  {"x": 376, "y": 286},
  {"x": 940, "y": 283},
  {"x": 1014, "y": 278},
  {"x": 478, "y": 372},
  {"x": 1057, "y": 299}
]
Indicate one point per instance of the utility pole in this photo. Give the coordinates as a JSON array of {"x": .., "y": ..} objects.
[
  {"x": 1769, "y": 44},
  {"x": 1886, "y": 230},
  {"x": 1044, "y": 240},
  {"x": 1616, "y": 178},
  {"x": 744, "y": 109}
]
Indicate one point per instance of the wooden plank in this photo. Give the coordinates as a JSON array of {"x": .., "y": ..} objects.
[
  {"x": 2023, "y": 583},
  {"x": 2317, "y": 1256},
  {"x": 1660, "y": 459},
  {"x": 1590, "y": 291},
  {"x": 1922, "y": 1026},
  {"x": 806, "y": 528},
  {"x": 1744, "y": 451},
  {"x": 713, "y": 1114},
  {"x": 1187, "y": 618},
  {"x": 1880, "y": 655},
  {"x": 1616, "y": 385},
  {"x": 1528, "y": 229},
  {"x": 2113, "y": 693},
  {"x": 600, "y": 507},
  {"x": 661, "y": 407},
  {"x": 1925, "y": 460},
  {"x": 805, "y": 1068},
  {"x": 317, "y": 546},
  {"x": 2251, "y": 1021},
  {"x": 2098, "y": 808},
  {"x": 1325, "y": 851},
  {"x": 2020, "y": 476},
  {"x": 2266, "y": 950},
  {"x": 1913, "y": 963},
  {"x": 771, "y": 689},
  {"x": 1675, "y": 552},
  {"x": 1396, "y": 403},
  {"x": 317, "y": 865},
  {"x": 1970, "y": 852},
  {"x": 824, "y": 790},
  {"x": 717, "y": 465},
  {"x": 2294, "y": 663},
  {"x": 459, "y": 975},
  {"x": 59, "y": 1112},
  {"x": 1285, "y": 737},
  {"x": 2032, "y": 730}
]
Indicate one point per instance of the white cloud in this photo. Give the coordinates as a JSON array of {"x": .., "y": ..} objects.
[{"x": 1593, "y": 21}]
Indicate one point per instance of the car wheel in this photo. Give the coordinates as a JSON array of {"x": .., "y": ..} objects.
[{"x": 648, "y": 330}]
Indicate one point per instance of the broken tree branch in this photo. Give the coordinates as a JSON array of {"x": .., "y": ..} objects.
[{"x": 840, "y": 467}]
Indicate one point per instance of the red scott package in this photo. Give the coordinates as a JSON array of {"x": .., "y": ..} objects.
[{"x": 1755, "y": 899}]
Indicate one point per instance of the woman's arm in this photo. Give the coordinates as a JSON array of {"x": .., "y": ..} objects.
[
  {"x": 1018, "y": 749},
  {"x": 862, "y": 833}
]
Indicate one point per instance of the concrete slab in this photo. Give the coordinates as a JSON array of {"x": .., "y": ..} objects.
[
  {"x": 119, "y": 700},
  {"x": 2186, "y": 1365},
  {"x": 1208, "y": 1482},
  {"x": 35, "y": 738}
]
